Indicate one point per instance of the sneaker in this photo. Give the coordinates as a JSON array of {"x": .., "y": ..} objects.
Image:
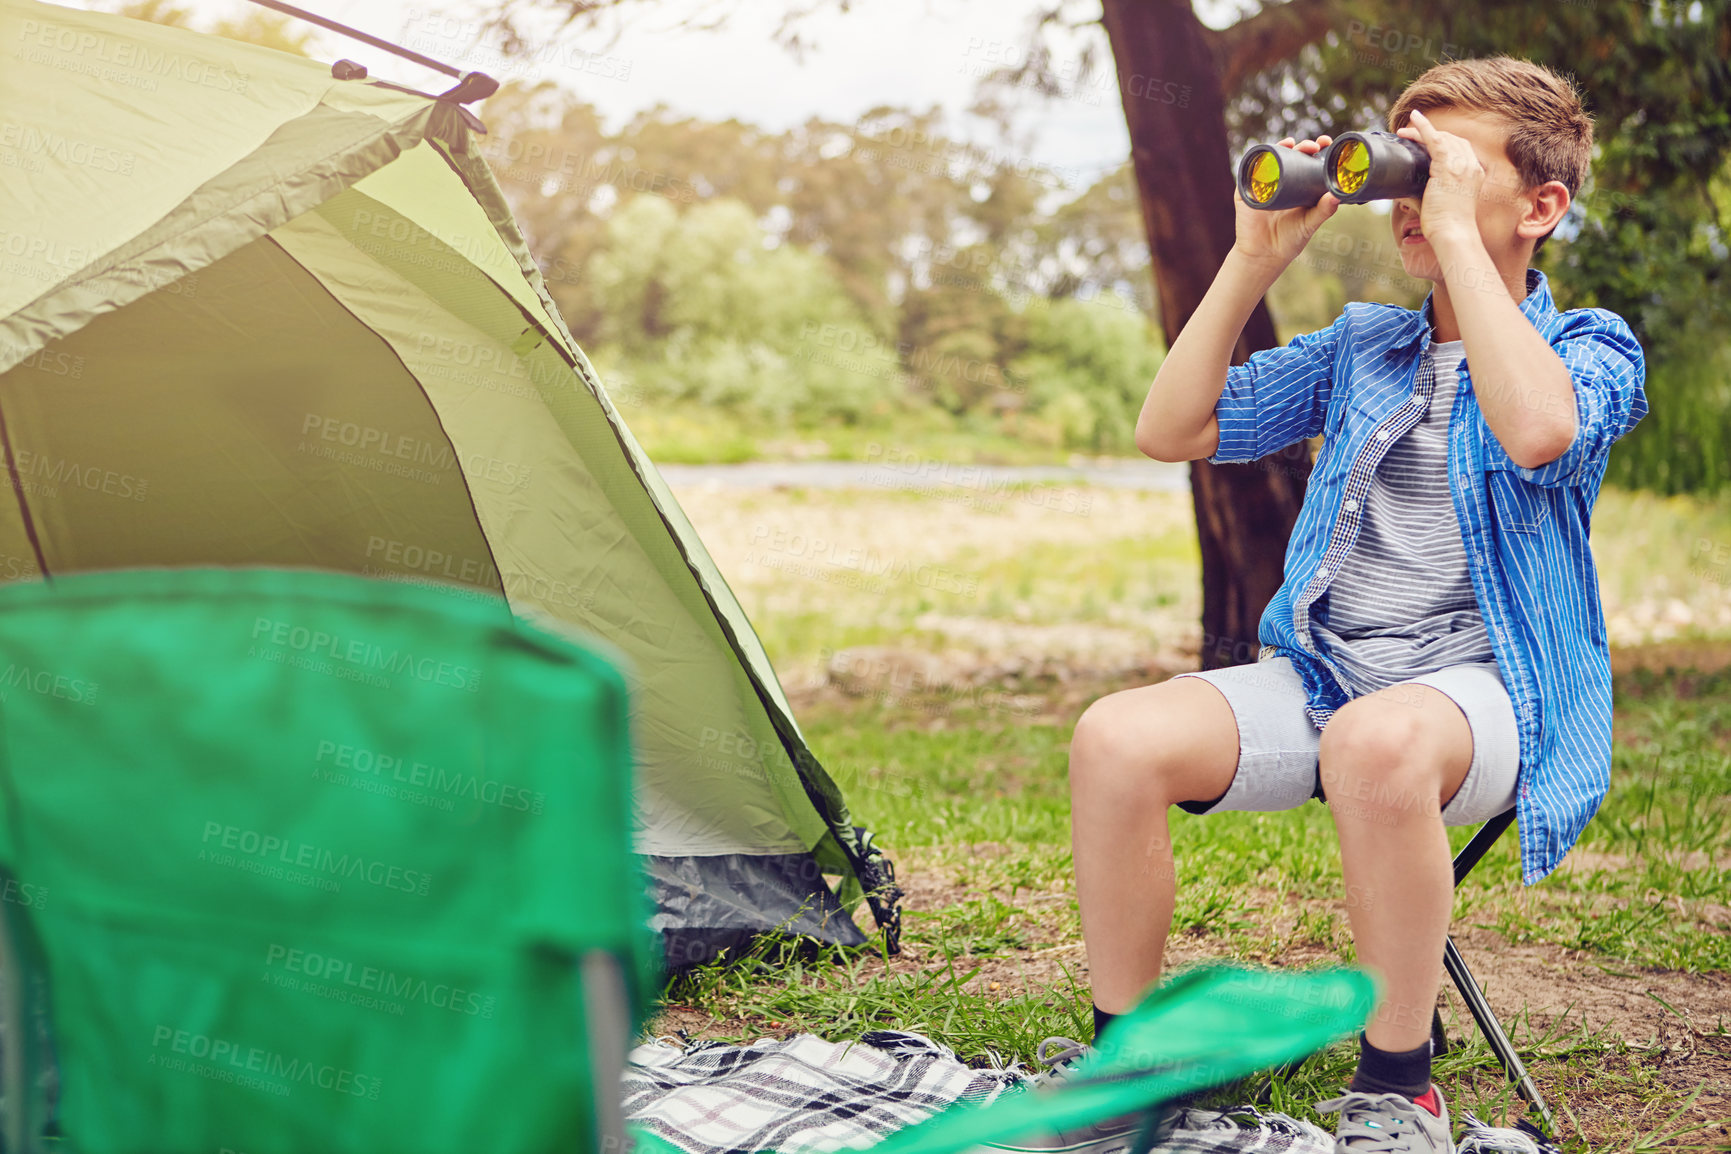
[
  {"x": 1062, "y": 1057},
  {"x": 1479, "y": 1138},
  {"x": 1390, "y": 1123}
]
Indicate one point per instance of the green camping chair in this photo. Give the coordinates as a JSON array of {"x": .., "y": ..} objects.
[{"x": 297, "y": 861}]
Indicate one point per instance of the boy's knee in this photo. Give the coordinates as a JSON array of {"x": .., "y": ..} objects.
[
  {"x": 1097, "y": 738},
  {"x": 1371, "y": 770},
  {"x": 1104, "y": 752},
  {"x": 1370, "y": 733},
  {"x": 1115, "y": 751}
]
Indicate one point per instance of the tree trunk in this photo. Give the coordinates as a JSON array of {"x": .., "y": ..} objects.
[{"x": 1173, "y": 104}]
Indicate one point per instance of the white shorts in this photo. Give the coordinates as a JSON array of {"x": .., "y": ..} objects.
[{"x": 1278, "y": 766}]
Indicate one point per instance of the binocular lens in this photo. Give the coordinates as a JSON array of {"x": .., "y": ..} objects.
[
  {"x": 1351, "y": 166},
  {"x": 1357, "y": 167},
  {"x": 1264, "y": 178},
  {"x": 1375, "y": 165},
  {"x": 1271, "y": 179}
]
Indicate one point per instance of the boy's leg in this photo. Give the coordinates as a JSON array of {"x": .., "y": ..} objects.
[
  {"x": 1135, "y": 754},
  {"x": 1241, "y": 742},
  {"x": 1398, "y": 766},
  {"x": 1389, "y": 761}
]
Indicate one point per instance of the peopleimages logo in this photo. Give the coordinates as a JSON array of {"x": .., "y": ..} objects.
[
  {"x": 355, "y": 656},
  {"x": 230, "y": 1061},
  {"x": 49, "y": 473},
  {"x": 385, "y": 442},
  {"x": 122, "y": 61},
  {"x": 230, "y": 844},
  {"x": 346, "y": 977},
  {"x": 29, "y": 140},
  {"x": 433, "y": 562},
  {"x": 47, "y": 683},
  {"x": 357, "y": 765}
]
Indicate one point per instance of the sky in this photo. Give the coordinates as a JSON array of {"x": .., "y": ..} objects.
[{"x": 912, "y": 53}]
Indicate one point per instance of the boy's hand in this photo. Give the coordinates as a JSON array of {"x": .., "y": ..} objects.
[
  {"x": 1451, "y": 194},
  {"x": 1276, "y": 238}
]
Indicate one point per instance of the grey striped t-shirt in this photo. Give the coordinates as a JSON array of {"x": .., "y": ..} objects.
[{"x": 1402, "y": 603}]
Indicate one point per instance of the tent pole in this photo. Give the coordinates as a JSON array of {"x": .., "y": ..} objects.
[{"x": 474, "y": 86}]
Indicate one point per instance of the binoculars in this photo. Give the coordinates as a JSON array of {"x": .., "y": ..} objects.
[{"x": 1357, "y": 167}]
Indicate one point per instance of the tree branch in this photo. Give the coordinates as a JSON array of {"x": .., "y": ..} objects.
[{"x": 1274, "y": 34}]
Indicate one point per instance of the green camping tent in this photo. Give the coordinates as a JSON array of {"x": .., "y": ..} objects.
[{"x": 254, "y": 315}]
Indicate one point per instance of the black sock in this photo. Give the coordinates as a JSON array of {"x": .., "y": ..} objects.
[
  {"x": 1384, "y": 1072},
  {"x": 1101, "y": 1020}
]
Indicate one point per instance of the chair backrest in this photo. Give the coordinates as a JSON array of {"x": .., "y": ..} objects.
[{"x": 296, "y": 861}]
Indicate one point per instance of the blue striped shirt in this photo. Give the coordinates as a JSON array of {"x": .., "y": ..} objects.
[{"x": 1525, "y": 530}]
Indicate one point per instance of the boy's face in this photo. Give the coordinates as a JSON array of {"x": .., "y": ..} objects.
[{"x": 1507, "y": 209}]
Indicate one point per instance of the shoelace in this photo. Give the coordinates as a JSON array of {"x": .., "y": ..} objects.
[
  {"x": 1483, "y": 1138},
  {"x": 1060, "y": 1056},
  {"x": 1362, "y": 1122}
]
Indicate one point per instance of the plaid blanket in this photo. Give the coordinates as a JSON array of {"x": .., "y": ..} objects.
[
  {"x": 807, "y": 1094},
  {"x": 800, "y": 1094}
]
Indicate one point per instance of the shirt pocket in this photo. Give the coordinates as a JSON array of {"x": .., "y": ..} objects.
[{"x": 1518, "y": 508}]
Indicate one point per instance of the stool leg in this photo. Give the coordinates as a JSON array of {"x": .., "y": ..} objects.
[
  {"x": 1493, "y": 1032},
  {"x": 1474, "y": 997}
]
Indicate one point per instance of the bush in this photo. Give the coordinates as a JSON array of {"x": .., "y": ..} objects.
[
  {"x": 1086, "y": 367},
  {"x": 1683, "y": 444},
  {"x": 697, "y": 308}
]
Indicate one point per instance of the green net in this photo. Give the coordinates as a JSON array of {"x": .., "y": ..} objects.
[
  {"x": 299, "y": 861},
  {"x": 1204, "y": 1028}
]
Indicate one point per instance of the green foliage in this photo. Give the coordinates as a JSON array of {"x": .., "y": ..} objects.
[
  {"x": 954, "y": 332},
  {"x": 1086, "y": 365},
  {"x": 700, "y": 307},
  {"x": 935, "y": 242},
  {"x": 1683, "y": 444},
  {"x": 838, "y": 286},
  {"x": 1659, "y": 260}
]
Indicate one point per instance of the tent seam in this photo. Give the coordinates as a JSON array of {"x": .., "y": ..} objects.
[
  {"x": 398, "y": 133},
  {"x": 438, "y": 418}
]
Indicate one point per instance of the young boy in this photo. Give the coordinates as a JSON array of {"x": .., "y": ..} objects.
[{"x": 1437, "y": 653}]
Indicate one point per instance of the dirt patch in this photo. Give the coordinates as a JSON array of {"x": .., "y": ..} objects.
[
  {"x": 1672, "y": 1023},
  {"x": 1700, "y": 656},
  {"x": 1588, "y": 860}
]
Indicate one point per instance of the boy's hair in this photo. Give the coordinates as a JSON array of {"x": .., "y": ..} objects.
[{"x": 1550, "y": 136}]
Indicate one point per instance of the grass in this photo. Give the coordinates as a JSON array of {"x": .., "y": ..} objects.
[
  {"x": 839, "y": 994},
  {"x": 1655, "y": 886},
  {"x": 964, "y": 780},
  {"x": 702, "y": 435},
  {"x": 1664, "y": 566}
]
